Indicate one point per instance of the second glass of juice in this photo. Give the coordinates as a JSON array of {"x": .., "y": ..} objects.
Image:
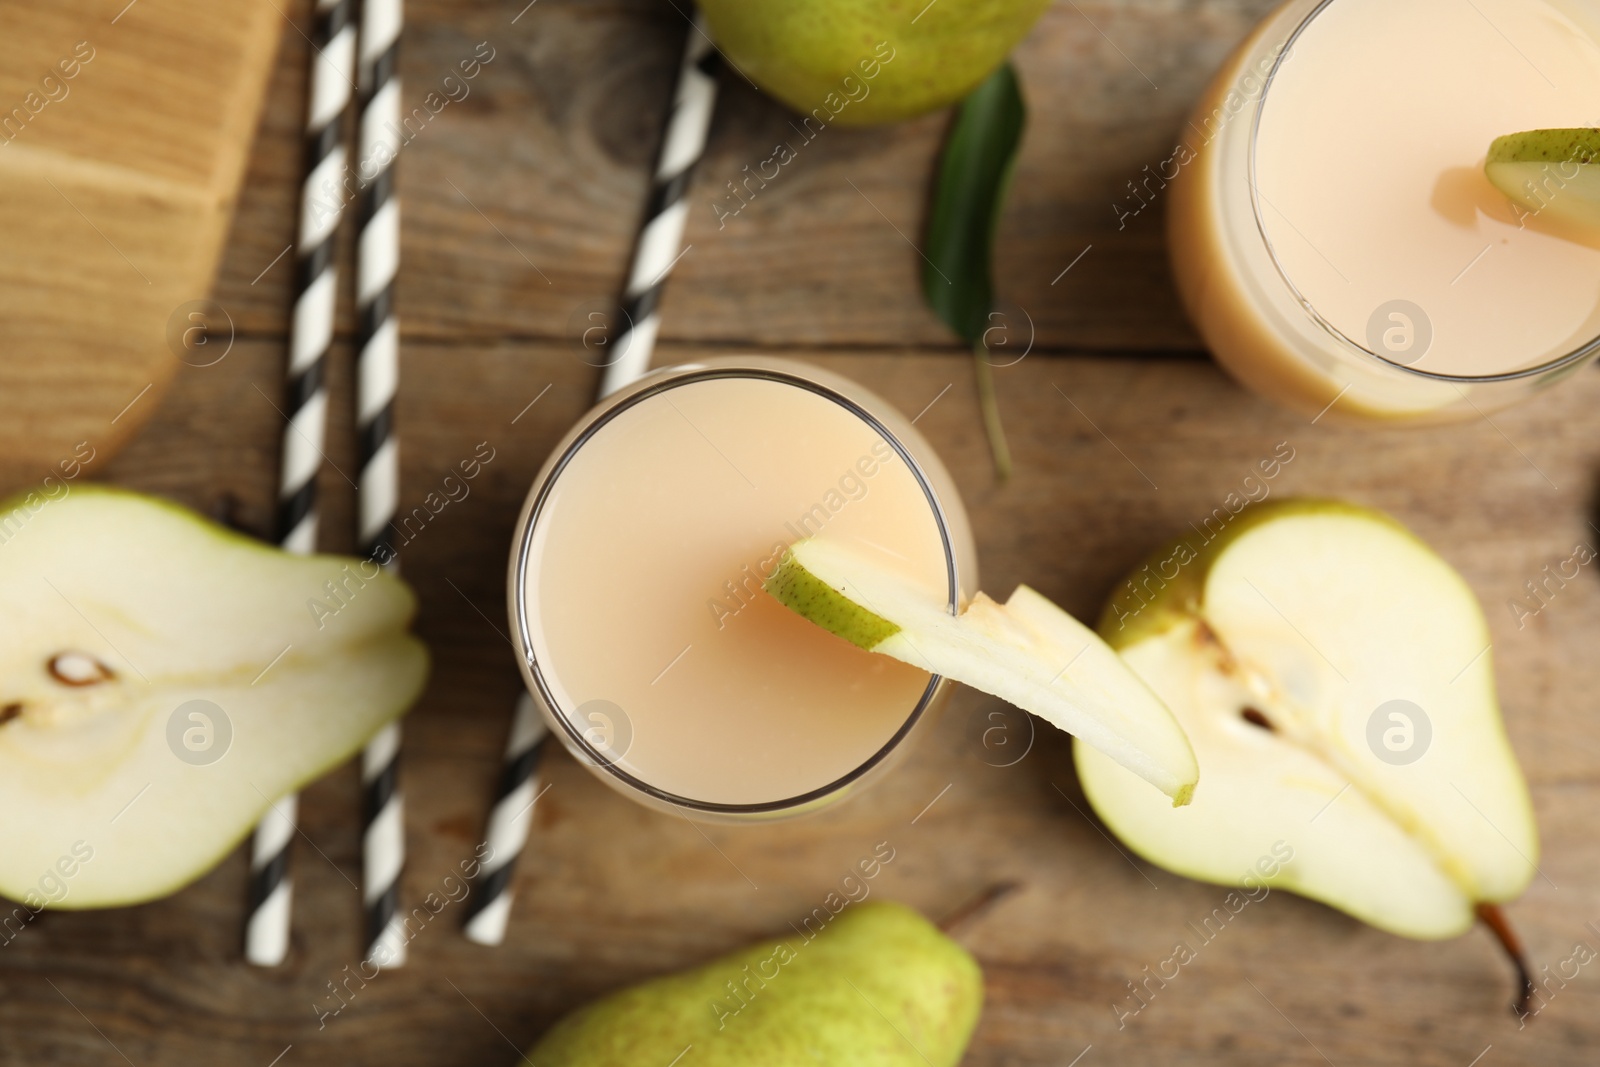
[
  {"x": 1334, "y": 235},
  {"x": 635, "y": 586}
]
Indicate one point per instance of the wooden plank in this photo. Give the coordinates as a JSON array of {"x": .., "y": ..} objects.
[
  {"x": 123, "y": 136},
  {"x": 521, "y": 198},
  {"x": 612, "y": 893}
]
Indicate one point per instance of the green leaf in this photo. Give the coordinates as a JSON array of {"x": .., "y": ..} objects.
[
  {"x": 974, "y": 174},
  {"x": 958, "y": 275}
]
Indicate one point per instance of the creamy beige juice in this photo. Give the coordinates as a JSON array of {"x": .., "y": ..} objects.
[
  {"x": 641, "y": 589},
  {"x": 1361, "y": 228}
]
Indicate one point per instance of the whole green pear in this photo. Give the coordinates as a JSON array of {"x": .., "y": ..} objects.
[
  {"x": 875, "y": 986},
  {"x": 862, "y": 62}
]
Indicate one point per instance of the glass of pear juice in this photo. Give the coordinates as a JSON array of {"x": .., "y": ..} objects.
[
  {"x": 635, "y": 588},
  {"x": 1333, "y": 233}
]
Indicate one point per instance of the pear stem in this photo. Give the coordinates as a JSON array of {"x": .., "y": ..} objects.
[
  {"x": 989, "y": 405},
  {"x": 1495, "y": 919},
  {"x": 976, "y": 908}
]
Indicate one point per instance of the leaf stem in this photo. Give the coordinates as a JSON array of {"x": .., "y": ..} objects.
[{"x": 993, "y": 428}]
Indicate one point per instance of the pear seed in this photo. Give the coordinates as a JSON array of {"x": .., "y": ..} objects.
[
  {"x": 1255, "y": 718},
  {"x": 77, "y": 669}
]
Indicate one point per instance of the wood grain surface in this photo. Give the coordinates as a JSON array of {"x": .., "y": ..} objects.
[
  {"x": 522, "y": 199},
  {"x": 519, "y": 203},
  {"x": 124, "y": 133}
]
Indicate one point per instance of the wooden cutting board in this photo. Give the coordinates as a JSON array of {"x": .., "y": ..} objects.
[{"x": 124, "y": 130}]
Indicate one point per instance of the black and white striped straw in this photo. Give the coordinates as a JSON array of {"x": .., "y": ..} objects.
[
  {"x": 333, "y": 40},
  {"x": 383, "y": 848},
  {"x": 489, "y": 906},
  {"x": 377, "y": 382},
  {"x": 267, "y": 932},
  {"x": 656, "y": 251}
]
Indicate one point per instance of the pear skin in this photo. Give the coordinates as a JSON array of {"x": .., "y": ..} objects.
[
  {"x": 865, "y": 62},
  {"x": 1551, "y": 173},
  {"x": 878, "y": 986}
]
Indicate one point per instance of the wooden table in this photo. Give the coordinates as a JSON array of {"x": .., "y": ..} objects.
[{"x": 520, "y": 201}]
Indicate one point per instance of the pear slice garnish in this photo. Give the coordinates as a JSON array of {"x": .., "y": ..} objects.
[
  {"x": 1550, "y": 173},
  {"x": 1027, "y": 651}
]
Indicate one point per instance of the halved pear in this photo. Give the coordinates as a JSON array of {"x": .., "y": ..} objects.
[
  {"x": 1550, "y": 172},
  {"x": 116, "y": 612},
  {"x": 1026, "y": 651},
  {"x": 1286, "y": 647}
]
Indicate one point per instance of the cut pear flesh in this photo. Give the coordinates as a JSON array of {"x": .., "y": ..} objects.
[
  {"x": 1334, "y": 676},
  {"x": 1026, "y": 651},
  {"x": 163, "y": 680},
  {"x": 1554, "y": 172}
]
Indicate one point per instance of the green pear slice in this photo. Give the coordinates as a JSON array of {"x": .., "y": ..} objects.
[
  {"x": 1550, "y": 172},
  {"x": 1026, "y": 651},
  {"x": 1276, "y": 646},
  {"x": 116, "y": 610}
]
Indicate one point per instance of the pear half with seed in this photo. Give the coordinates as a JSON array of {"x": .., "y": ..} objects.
[
  {"x": 1551, "y": 173},
  {"x": 1026, "y": 651},
  {"x": 163, "y": 680},
  {"x": 1334, "y": 675}
]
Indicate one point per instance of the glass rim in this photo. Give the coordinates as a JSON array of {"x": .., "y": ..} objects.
[
  {"x": 611, "y": 408},
  {"x": 1550, "y": 366}
]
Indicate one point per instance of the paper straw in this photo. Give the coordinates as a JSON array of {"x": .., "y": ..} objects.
[
  {"x": 656, "y": 251},
  {"x": 377, "y": 382},
  {"x": 383, "y": 848},
  {"x": 489, "y": 906},
  {"x": 333, "y": 40},
  {"x": 267, "y": 936}
]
